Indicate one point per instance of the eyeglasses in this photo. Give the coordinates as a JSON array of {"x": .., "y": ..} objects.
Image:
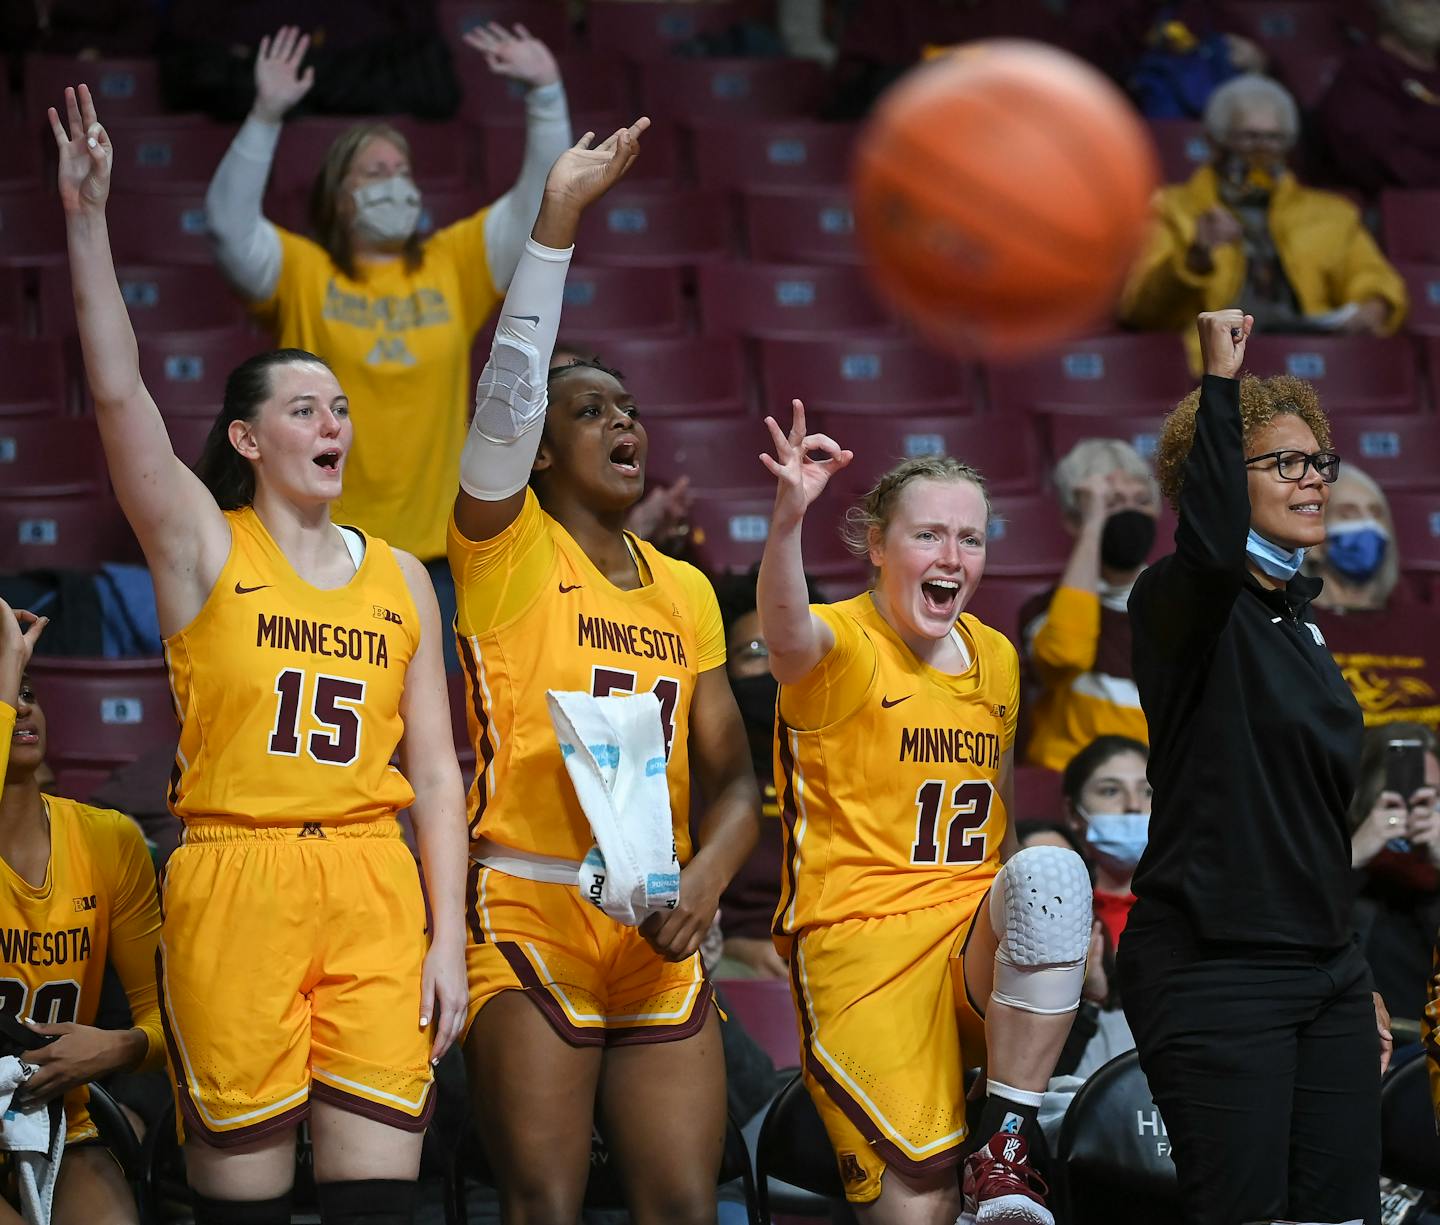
[{"x": 1291, "y": 465}]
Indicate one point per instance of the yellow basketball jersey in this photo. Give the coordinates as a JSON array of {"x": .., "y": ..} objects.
[
  {"x": 97, "y": 901},
  {"x": 888, "y": 772},
  {"x": 535, "y": 614},
  {"x": 288, "y": 695}
]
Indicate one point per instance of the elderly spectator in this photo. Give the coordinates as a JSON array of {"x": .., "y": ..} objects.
[
  {"x": 1395, "y": 848},
  {"x": 1077, "y": 636},
  {"x": 1380, "y": 119},
  {"x": 394, "y": 314},
  {"x": 1383, "y": 638},
  {"x": 1243, "y": 231}
]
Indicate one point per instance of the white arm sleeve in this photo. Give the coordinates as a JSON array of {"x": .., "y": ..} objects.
[
  {"x": 247, "y": 246},
  {"x": 511, "y": 396},
  {"x": 508, "y": 223}
]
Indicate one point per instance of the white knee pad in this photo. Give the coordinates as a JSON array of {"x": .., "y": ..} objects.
[{"x": 1040, "y": 908}]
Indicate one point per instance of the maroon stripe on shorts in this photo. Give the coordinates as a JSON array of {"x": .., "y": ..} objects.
[
  {"x": 788, "y": 816},
  {"x": 638, "y": 1035},
  {"x": 894, "y": 1157},
  {"x": 353, "y": 1103},
  {"x": 472, "y": 902},
  {"x": 484, "y": 747},
  {"x": 539, "y": 994}
]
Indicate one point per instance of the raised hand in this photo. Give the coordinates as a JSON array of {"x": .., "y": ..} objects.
[
  {"x": 581, "y": 175},
  {"x": 516, "y": 54},
  {"x": 85, "y": 154},
  {"x": 1222, "y": 341},
  {"x": 20, "y": 630},
  {"x": 801, "y": 478},
  {"x": 279, "y": 83}
]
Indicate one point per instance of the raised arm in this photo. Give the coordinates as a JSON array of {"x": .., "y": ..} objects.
[
  {"x": 183, "y": 533},
  {"x": 797, "y": 638},
  {"x": 246, "y": 244},
  {"x": 522, "y": 57},
  {"x": 511, "y": 397}
]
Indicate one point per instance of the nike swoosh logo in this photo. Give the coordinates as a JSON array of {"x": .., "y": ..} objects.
[
  {"x": 239, "y": 590},
  {"x": 576, "y": 587},
  {"x": 887, "y": 703},
  {"x": 535, "y": 319}
]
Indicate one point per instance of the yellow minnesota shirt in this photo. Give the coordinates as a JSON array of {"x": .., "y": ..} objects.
[
  {"x": 399, "y": 342},
  {"x": 289, "y": 695},
  {"x": 535, "y": 614},
  {"x": 888, "y": 772}
]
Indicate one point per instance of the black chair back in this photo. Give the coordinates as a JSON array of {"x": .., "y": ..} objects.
[
  {"x": 794, "y": 1148},
  {"x": 1114, "y": 1153},
  {"x": 125, "y": 1146},
  {"x": 1409, "y": 1146}
]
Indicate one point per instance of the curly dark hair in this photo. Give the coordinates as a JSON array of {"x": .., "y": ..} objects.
[{"x": 1261, "y": 401}]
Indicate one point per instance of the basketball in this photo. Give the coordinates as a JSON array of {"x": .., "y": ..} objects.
[{"x": 1000, "y": 194}]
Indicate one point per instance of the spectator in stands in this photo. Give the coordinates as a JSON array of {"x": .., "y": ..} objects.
[
  {"x": 1430, "y": 1029},
  {"x": 1380, "y": 119},
  {"x": 1107, "y": 801},
  {"x": 394, "y": 314},
  {"x": 372, "y": 57},
  {"x": 1383, "y": 638},
  {"x": 1244, "y": 230},
  {"x": 1076, "y": 636},
  {"x": 1395, "y": 847}
]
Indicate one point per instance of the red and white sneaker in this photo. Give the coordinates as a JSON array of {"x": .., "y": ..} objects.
[{"x": 1002, "y": 1188}]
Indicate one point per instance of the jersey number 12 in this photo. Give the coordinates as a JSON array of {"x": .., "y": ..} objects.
[{"x": 965, "y": 840}]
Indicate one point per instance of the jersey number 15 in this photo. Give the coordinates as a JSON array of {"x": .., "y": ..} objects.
[{"x": 334, "y": 703}]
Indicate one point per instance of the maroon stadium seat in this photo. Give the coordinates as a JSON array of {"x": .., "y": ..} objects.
[
  {"x": 1407, "y": 223},
  {"x": 998, "y": 601},
  {"x": 764, "y": 1007},
  {"x": 503, "y": 140},
  {"x": 652, "y": 30},
  {"x": 1285, "y": 28},
  {"x": 445, "y": 207},
  {"x": 542, "y": 18},
  {"x": 50, "y": 455},
  {"x": 728, "y": 533},
  {"x": 160, "y": 299},
  {"x": 1423, "y": 282},
  {"x": 35, "y": 381},
  {"x": 622, "y": 303},
  {"x": 886, "y": 372},
  {"x": 792, "y": 225},
  {"x": 188, "y": 434},
  {"x": 1182, "y": 146},
  {"x": 102, "y": 712},
  {"x": 721, "y": 90},
  {"x": 639, "y": 226},
  {"x": 1026, "y": 537},
  {"x": 186, "y": 371},
  {"x": 787, "y": 300},
  {"x": 1063, "y": 430},
  {"x": 32, "y": 228},
  {"x": 593, "y": 82},
  {"x": 1399, "y": 452},
  {"x": 1416, "y": 517},
  {"x": 1038, "y": 797},
  {"x": 773, "y": 153},
  {"x": 76, "y": 532},
  {"x": 881, "y": 439},
  {"x": 176, "y": 154},
  {"x": 1123, "y": 372},
  {"x": 1351, "y": 373},
  {"x": 14, "y": 301},
  {"x": 723, "y": 456},
  {"x": 121, "y": 87},
  {"x": 675, "y": 376},
  {"x": 160, "y": 229},
  {"x": 1308, "y": 73}
]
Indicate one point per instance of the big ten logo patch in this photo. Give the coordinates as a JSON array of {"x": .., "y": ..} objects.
[
  {"x": 85, "y": 903},
  {"x": 385, "y": 614},
  {"x": 1149, "y": 1124},
  {"x": 851, "y": 1171}
]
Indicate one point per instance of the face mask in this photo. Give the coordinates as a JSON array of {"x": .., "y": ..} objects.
[
  {"x": 1126, "y": 539},
  {"x": 1355, "y": 548},
  {"x": 1271, "y": 558},
  {"x": 1119, "y": 836},
  {"x": 1245, "y": 174},
  {"x": 755, "y": 695},
  {"x": 387, "y": 211}
]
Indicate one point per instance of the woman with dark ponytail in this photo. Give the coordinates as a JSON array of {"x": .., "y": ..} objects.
[{"x": 295, "y": 977}]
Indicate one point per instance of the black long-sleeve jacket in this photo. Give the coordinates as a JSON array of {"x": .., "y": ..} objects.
[{"x": 1254, "y": 735}]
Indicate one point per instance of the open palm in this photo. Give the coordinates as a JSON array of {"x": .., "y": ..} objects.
[
  {"x": 516, "y": 54},
  {"x": 85, "y": 154},
  {"x": 279, "y": 83},
  {"x": 581, "y": 175},
  {"x": 802, "y": 477}
]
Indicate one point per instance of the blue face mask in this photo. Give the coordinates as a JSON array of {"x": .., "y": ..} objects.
[
  {"x": 1120, "y": 837},
  {"x": 1271, "y": 558},
  {"x": 1355, "y": 548}
]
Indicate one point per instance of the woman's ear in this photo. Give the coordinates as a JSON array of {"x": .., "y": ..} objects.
[
  {"x": 242, "y": 438},
  {"x": 875, "y": 545}
]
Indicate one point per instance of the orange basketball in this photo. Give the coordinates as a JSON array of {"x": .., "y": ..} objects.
[{"x": 1001, "y": 193}]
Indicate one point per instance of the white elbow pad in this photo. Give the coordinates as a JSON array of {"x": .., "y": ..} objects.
[{"x": 504, "y": 434}]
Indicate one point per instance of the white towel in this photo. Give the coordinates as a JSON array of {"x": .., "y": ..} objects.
[
  {"x": 37, "y": 1138},
  {"x": 614, "y": 751}
]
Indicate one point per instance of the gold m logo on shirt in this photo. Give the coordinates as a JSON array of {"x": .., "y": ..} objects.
[{"x": 388, "y": 349}]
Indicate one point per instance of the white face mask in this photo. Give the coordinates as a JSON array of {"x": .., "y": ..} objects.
[{"x": 387, "y": 211}]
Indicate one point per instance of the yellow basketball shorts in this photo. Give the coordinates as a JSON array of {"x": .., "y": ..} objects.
[
  {"x": 887, "y": 1030},
  {"x": 290, "y": 964},
  {"x": 598, "y": 982}
]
